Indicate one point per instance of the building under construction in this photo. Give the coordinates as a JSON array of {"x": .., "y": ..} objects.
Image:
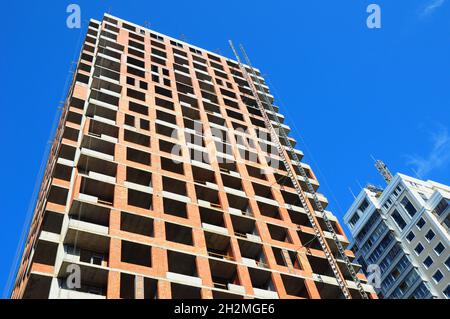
[{"x": 172, "y": 175}]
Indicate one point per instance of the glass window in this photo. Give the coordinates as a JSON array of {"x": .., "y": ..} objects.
[
  {"x": 438, "y": 276},
  {"x": 398, "y": 219},
  {"x": 408, "y": 206},
  {"x": 410, "y": 236},
  {"x": 428, "y": 262},
  {"x": 439, "y": 248},
  {"x": 420, "y": 223},
  {"x": 419, "y": 248},
  {"x": 430, "y": 235},
  {"x": 447, "y": 291}
]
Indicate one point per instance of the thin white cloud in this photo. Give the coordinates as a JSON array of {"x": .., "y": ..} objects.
[
  {"x": 431, "y": 7},
  {"x": 438, "y": 157}
]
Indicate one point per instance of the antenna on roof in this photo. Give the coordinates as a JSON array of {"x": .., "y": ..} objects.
[
  {"x": 351, "y": 192},
  {"x": 383, "y": 170}
]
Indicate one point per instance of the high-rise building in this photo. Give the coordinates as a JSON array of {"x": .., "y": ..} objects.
[
  {"x": 403, "y": 232},
  {"x": 164, "y": 182}
]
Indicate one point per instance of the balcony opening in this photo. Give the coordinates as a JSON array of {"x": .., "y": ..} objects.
[
  {"x": 70, "y": 133},
  {"x": 67, "y": 152},
  {"x": 94, "y": 110},
  {"x": 63, "y": 172},
  {"x": 38, "y": 287},
  {"x": 253, "y": 253},
  {"x": 291, "y": 198},
  {"x": 298, "y": 218},
  {"x": 238, "y": 202},
  {"x": 262, "y": 191},
  {"x": 45, "y": 252},
  {"x": 216, "y": 120},
  {"x": 137, "y": 254},
  {"x": 203, "y": 176},
  {"x": 226, "y": 165},
  {"x": 179, "y": 291},
  {"x": 58, "y": 195},
  {"x": 329, "y": 291},
  {"x": 320, "y": 265},
  {"x": 175, "y": 208},
  {"x": 244, "y": 226},
  {"x": 211, "y": 216},
  {"x": 223, "y": 274},
  {"x": 138, "y": 176},
  {"x": 295, "y": 286},
  {"x": 174, "y": 186},
  {"x": 103, "y": 192},
  {"x": 139, "y": 199},
  {"x": 166, "y": 131},
  {"x": 232, "y": 182},
  {"x": 98, "y": 145},
  {"x": 269, "y": 210},
  {"x": 208, "y": 195},
  {"x": 255, "y": 172},
  {"x": 172, "y": 166},
  {"x": 137, "y": 224},
  {"x": 179, "y": 234},
  {"x": 279, "y": 233},
  {"x": 99, "y": 129},
  {"x": 309, "y": 240},
  {"x": 98, "y": 167},
  {"x": 200, "y": 156},
  {"x": 181, "y": 263},
  {"x": 89, "y": 213},
  {"x": 261, "y": 279},
  {"x": 52, "y": 222},
  {"x": 218, "y": 245}
]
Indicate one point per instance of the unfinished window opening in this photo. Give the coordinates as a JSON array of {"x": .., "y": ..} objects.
[
  {"x": 138, "y": 176},
  {"x": 136, "y": 138},
  {"x": 174, "y": 186},
  {"x": 181, "y": 263},
  {"x": 295, "y": 286},
  {"x": 58, "y": 195},
  {"x": 244, "y": 227},
  {"x": 309, "y": 240},
  {"x": 169, "y": 147},
  {"x": 52, "y": 222},
  {"x": 211, "y": 216},
  {"x": 203, "y": 176},
  {"x": 279, "y": 233},
  {"x": 179, "y": 291},
  {"x": 137, "y": 254},
  {"x": 291, "y": 198},
  {"x": 252, "y": 253},
  {"x": 175, "y": 208},
  {"x": 320, "y": 265},
  {"x": 166, "y": 130},
  {"x": 255, "y": 172},
  {"x": 301, "y": 219},
  {"x": 63, "y": 172},
  {"x": 172, "y": 166},
  {"x": 269, "y": 210},
  {"x": 261, "y": 279},
  {"x": 218, "y": 246},
  {"x": 90, "y": 213},
  {"x": 232, "y": 182},
  {"x": 207, "y": 194},
  {"x": 262, "y": 191},
  {"x": 139, "y": 199},
  {"x": 179, "y": 234},
  {"x": 137, "y": 224},
  {"x": 137, "y": 156},
  {"x": 166, "y": 117},
  {"x": 223, "y": 274},
  {"x": 164, "y": 103}
]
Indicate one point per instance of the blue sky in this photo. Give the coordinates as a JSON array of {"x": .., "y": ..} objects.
[{"x": 349, "y": 91}]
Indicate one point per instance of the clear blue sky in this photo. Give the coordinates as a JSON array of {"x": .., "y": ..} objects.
[{"x": 350, "y": 91}]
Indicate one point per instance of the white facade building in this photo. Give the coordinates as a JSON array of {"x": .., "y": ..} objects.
[{"x": 404, "y": 229}]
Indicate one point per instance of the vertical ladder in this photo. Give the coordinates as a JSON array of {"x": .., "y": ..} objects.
[{"x": 291, "y": 173}]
